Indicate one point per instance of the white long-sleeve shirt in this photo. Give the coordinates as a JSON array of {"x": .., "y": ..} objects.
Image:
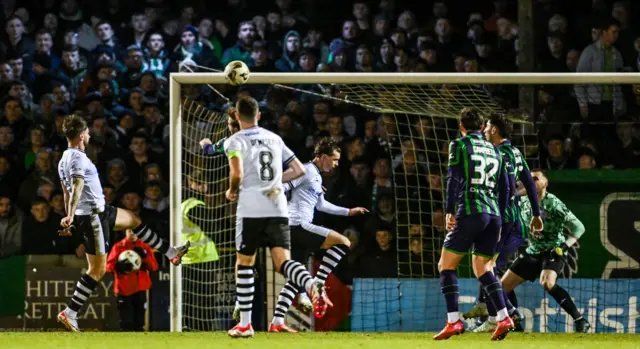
[{"x": 306, "y": 195}]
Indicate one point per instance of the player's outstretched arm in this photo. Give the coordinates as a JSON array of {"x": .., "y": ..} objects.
[
  {"x": 209, "y": 148},
  {"x": 327, "y": 207}
]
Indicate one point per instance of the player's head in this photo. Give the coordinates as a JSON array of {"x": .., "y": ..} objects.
[
  {"x": 75, "y": 130},
  {"x": 327, "y": 153},
  {"x": 247, "y": 111},
  {"x": 470, "y": 120},
  {"x": 497, "y": 128},
  {"x": 540, "y": 179},
  {"x": 232, "y": 124}
]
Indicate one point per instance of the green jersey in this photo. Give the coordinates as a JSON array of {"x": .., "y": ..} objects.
[{"x": 556, "y": 217}]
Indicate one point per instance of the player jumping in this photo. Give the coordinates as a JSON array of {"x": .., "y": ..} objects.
[
  {"x": 92, "y": 219},
  {"x": 306, "y": 195},
  {"x": 477, "y": 194},
  {"x": 544, "y": 257},
  {"x": 498, "y": 130},
  {"x": 256, "y": 158}
]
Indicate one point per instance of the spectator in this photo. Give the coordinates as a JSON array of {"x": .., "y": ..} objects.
[
  {"x": 10, "y": 226},
  {"x": 241, "y": 51},
  {"x": 381, "y": 260},
  {"x": 130, "y": 286}
]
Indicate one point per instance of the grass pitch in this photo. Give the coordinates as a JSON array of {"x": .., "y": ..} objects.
[{"x": 333, "y": 340}]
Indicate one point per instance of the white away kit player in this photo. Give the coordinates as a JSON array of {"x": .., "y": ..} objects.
[
  {"x": 92, "y": 219},
  {"x": 306, "y": 195}
]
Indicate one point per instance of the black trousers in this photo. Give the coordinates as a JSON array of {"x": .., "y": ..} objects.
[{"x": 131, "y": 311}]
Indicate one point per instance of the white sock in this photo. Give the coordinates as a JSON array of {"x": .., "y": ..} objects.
[
  {"x": 502, "y": 314},
  {"x": 277, "y": 320},
  {"x": 171, "y": 252},
  {"x": 71, "y": 313},
  {"x": 453, "y": 317},
  {"x": 492, "y": 319}
]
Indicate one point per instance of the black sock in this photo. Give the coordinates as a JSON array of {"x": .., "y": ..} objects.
[
  {"x": 84, "y": 289},
  {"x": 481, "y": 295},
  {"x": 450, "y": 290},
  {"x": 150, "y": 238},
  {"x": 562, "y": 297}
]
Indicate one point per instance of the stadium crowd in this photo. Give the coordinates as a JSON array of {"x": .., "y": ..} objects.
[{"x": 110, "y": 61}]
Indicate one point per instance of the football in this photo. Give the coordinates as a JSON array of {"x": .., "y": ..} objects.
[
  {"x": 131, "y": 257},
  {"x": 236, "y": 73}
]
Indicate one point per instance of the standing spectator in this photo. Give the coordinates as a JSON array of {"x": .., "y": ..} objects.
[
  {"x": 601, "y": 102},
  {"x": 10, "y": 227},
  {"x": 130, "y": 286}
]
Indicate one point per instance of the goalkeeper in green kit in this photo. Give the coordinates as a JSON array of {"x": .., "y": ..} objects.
[{"x": 544, "y": 257}]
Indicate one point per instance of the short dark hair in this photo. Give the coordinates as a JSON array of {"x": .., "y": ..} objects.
[
  {"x": 73, "y": 126},
  {"x": 605, "y": 23},
  {"x": 43, "y": 31},
  {"x": 502, "y": 123},
  {"x": 471, "y": 119},
  {"x": 70, "y": 48},
  {"x": 247, "y": 109},
  {"x": 326, "y": 146}
]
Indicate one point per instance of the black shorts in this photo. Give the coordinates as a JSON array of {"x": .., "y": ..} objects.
[
  {"x": 253, "y": 233},
  {"x": 303, "y": 243},
  {"x": 529, "y": 266},
  {"x": 95, "y": 230}
]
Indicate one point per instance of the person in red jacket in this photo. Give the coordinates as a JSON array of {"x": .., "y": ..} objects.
[{"x": 130, "y": 286}]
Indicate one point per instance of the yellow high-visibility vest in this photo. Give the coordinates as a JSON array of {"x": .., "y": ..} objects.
[{"x": 202, "y": 248}]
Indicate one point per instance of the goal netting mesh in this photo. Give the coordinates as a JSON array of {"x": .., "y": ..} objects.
[
  {"x": 391, "y": 285},
  {"x": 208, "y": 288}
]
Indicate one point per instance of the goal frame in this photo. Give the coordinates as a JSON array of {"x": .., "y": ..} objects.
[{"x": 175, "y": 121}]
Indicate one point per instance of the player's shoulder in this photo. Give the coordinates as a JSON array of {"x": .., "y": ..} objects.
[
  {"x": 75, "y": 155},
  {"x": 553, "y": 199}
]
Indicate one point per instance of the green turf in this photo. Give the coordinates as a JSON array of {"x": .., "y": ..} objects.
[{"x": 158, "y": 340}]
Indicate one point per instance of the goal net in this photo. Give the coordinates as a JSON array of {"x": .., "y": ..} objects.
[{"x": 395, "y": 130}]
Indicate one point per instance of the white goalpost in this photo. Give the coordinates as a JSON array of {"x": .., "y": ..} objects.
[{"x": 407, "y": 97}]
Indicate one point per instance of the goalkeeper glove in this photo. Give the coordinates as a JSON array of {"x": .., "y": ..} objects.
[
  {"x": 140, "y": 251},
  {"x": 123, "y": 267}
]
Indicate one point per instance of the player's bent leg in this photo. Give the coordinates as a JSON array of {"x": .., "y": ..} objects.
[
  {"x": 336, "y": 246},
  {"x": 548, "y": 280},
  {"x": 300, "y": 277},
  {"x": 84, "y": 288},
  {"x": 126, "y": 219}
]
